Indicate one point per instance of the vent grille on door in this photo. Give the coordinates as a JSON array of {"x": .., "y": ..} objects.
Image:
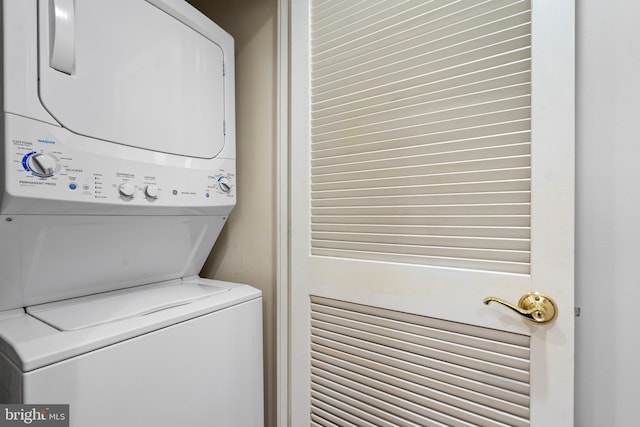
[
  {"x": 421, "y": 131},
  {"x": 377, "y": 367}
]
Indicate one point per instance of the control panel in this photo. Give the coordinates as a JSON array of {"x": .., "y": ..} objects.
[{"x": 44, "y": 167}]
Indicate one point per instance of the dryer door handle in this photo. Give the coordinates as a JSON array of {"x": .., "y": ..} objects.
[{"x": 62, "y": 35}]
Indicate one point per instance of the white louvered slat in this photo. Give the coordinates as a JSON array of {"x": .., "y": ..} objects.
[
  {"x": 476, "y": 117},
  {"x": 442, "y": 169},
  {"x": 416, "y": 325},
  {"x": 456, "y": 231},
  {"x": 427, "y": 199},
  {"x": 480, "y": 248},
  {"x": 420, "y": 36},
  {"x": 422, "y": 106},
  {"x": 450, "y": 96},
  {"x": 495, "y": 57},
  {"x": 458, "y": 359},
  {"x": 415, "y": 365},
  {"x": 370, "y": 414},
  {"x": 385, "y": 70},
  {"x": 495, "y": 175},
  {"x": 437, "y": 136},
  {"x": 422, "y": 110},
  {"x": 417, "y": 382},
  {"x": 476, "y": 331},
  {"x": 328, "y": 11},
  {"x": 426, "y": 220},
  {"x": 420, "y": 339},
  {"x": 457, "y": 210},
  {"x": 330, "y": 375},
  {"x": 364, "y": 162},
  {"x": 400, "y": 24},
  {"x": 341, "y": 411},
  {"x": 472, "y": 187},
  {"x": 394, "y": 411},
  {"x": 373, "y": 17},
  {"x": 407, "y": 65},
  {"x": 405, "y": 92},
  {"x": 317, "y": 421},
  {"x": 379, "y": 366},
  {"x": 405, "y": 256}
]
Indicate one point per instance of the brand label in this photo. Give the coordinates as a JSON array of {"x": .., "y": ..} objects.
[{"x": 34, "y": 415}]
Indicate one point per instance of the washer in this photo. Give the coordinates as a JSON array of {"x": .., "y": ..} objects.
[
  {"x": 178, "y": 353},
  {"x": 117, "y": 176}
]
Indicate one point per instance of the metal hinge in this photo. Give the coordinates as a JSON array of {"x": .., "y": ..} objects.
[
  {"x": 577, "y": 311},
  {"x": 224, "y": 70},
  {"x": 224, "y": 127}
]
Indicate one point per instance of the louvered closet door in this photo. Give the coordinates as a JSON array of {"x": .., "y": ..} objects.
[{"x": 431, "y": 167}]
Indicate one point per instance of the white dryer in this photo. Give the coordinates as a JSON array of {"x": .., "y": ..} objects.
[{"x": 117, "y": 173}]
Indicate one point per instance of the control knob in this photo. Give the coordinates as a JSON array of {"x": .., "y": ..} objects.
[
  {"x": 151, "y": 191},
  {"x": 225, "y": 184},
  {"x": 42, "y": 165},
  {"x": 126, "y": 189}
]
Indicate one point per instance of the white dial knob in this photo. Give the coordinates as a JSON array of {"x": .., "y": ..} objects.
[
  {"x": 126, "y": 189},
  {"x": 42, "y": 165},
  {"x": 225, "y": 184},
  {"x": 151, "y": 191}
]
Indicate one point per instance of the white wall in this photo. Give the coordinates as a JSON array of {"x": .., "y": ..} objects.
[{"x": 608, "y": 213}]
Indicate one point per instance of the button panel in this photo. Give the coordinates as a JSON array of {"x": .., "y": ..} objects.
[{"x": 50, "y": 167}]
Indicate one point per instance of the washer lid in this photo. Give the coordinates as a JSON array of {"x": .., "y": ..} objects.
[
  {"x": 30, "y": 343},
  {"x": 82, "y": 313},
  {"x": 127, "y": 72}
]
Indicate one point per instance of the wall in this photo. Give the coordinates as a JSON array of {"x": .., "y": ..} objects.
[
  {"x": 245, "y": 251},
  {"x": 608, "y": 213}
]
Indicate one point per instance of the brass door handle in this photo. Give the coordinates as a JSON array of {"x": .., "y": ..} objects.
[{"x": 534, "y": 306}]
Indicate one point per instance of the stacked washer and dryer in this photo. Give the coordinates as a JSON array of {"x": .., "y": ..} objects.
[{"x": 118, "y": 173}]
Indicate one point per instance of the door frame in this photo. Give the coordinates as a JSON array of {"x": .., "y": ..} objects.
[{"x": 282, "y": 212}]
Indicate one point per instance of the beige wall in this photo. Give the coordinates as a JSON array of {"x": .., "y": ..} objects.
[{"x": 245, "y": 251}]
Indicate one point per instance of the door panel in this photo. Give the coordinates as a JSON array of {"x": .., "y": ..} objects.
[
  {"x": 115, "y": 56},
  {"x": 432, "y": 166},
  {"x": 416, "y": 368},
  {"x": 436, "y": 143}
]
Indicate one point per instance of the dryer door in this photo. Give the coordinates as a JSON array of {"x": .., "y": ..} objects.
[{"x": 127, "y": 72}]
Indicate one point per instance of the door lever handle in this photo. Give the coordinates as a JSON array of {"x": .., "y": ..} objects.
[{"x": 534, "y": 306}]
